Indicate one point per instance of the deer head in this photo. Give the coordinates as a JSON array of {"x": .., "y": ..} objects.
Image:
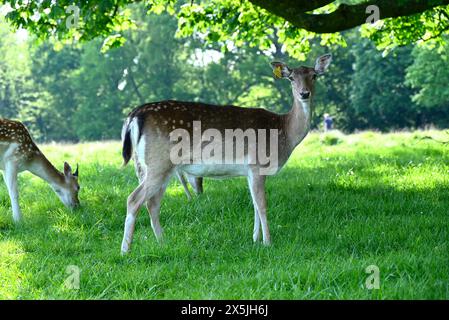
[{"x": 69, "y": 189}]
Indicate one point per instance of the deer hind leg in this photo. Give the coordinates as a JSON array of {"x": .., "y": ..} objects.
[
  {"x": 135, "y": 201},
  {"x": 139, "y": 169},
  {"x": 146, "y": 190},
  {"x": 154, "y": 210},
  {"x": 10, "y": 177},
  {"x": 256, "y": 184}
]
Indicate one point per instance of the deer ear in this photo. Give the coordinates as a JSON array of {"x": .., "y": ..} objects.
[
  {"x": 67, "y": 169},
  {"x": 281, "y": 70},
  {"x": 76, "y": 173},
  {"x": 322, "y": 63}
]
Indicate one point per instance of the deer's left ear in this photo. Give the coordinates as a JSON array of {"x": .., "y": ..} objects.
[
  {"x": 67, "y": 169},
  {"x": 322, "y": 63}
]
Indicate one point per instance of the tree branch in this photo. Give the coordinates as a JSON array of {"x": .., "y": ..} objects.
[{"x": 345, "y": 16}]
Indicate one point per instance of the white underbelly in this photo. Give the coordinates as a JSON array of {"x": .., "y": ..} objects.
[{"x": 215, "y": 170}]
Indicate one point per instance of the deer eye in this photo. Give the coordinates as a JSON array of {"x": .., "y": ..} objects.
[{"x": 315, "y": 76}]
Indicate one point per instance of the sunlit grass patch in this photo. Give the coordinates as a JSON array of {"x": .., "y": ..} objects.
[
  {"x": 335, "y": 209},
  {"x": 332, "y": 138},
  {"x": 11, "y": 276}
]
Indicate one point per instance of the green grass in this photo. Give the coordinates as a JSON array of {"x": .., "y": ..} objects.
[{"x": 371, "y": 199}]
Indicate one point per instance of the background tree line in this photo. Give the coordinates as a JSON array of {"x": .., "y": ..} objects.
[{"x": 77, "y": 92}]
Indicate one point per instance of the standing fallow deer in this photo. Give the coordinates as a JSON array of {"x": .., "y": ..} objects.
[
  {"x": 18, "y": 153},
  {"x": 147, "y": 138}
]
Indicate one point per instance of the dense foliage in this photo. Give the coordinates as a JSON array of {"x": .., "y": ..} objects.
[
  {"x": 238, "y": 22},
  {"x": 79, "y": 92}
]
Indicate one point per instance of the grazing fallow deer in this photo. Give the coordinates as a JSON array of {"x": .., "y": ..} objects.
[
  {"x": 147, "y": 138},
  {"x": 18, "y": 153}
]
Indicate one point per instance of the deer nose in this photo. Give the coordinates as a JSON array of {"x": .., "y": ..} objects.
[{"x": 305, "y": 94}]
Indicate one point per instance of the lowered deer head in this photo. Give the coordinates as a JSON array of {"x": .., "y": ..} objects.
[{"x": 68, "y": 191}]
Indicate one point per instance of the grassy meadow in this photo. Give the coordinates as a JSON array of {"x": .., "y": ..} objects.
[{"x": 341, "y": 204}]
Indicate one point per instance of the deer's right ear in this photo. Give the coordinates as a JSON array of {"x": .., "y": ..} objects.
[
  {"x": 322, "y": 63},
  {"x": 280, "y": 70},
  {"x": 67, "y": 170}
]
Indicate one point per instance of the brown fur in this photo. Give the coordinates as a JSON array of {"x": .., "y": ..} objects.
[
  {"x": 15, "y": 132},
  {"x": 163, "y": 117}
]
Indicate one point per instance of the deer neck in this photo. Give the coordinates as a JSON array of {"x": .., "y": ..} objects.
[
  {"x": 40, "y": 166},
  {"x": 298, "y": 121}
]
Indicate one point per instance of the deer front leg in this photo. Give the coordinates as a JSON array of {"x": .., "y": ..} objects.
[
  {"x": 10, "y": 177},
  {"x": 196, "y": 183},
  {"x": 183, "y": 181},
  {"x": 256, "y": 184},
  {"x": 199, "y": 185}
]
